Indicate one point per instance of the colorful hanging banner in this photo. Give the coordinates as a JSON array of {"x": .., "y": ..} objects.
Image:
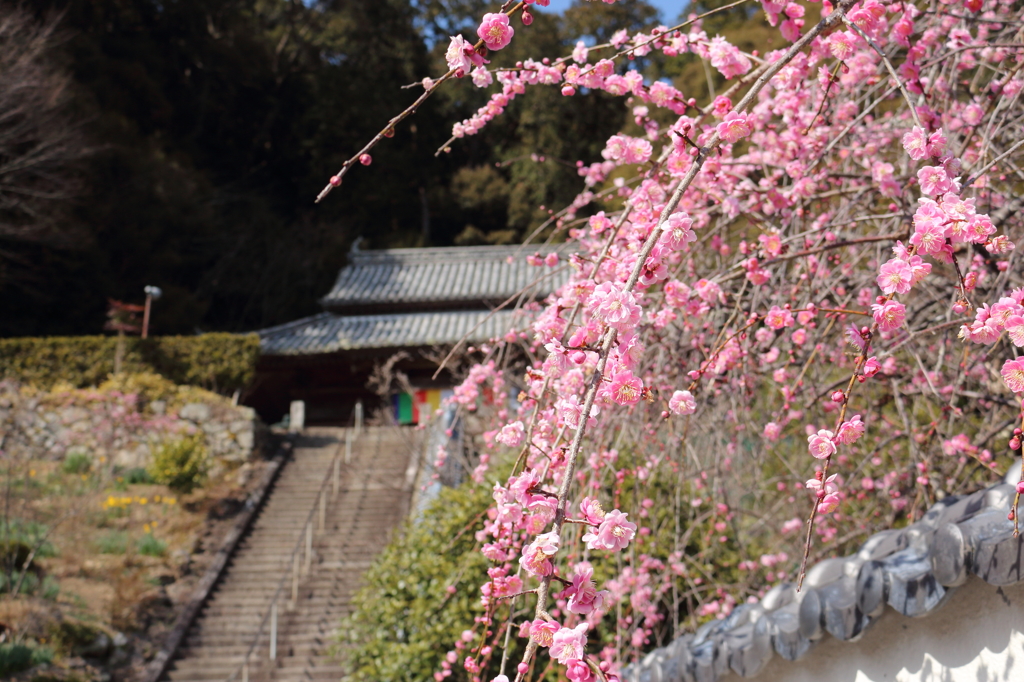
[{"x": 417, "y": 407}]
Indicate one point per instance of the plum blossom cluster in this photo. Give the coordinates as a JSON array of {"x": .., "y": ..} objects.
[{"x": 800, "y": 294}]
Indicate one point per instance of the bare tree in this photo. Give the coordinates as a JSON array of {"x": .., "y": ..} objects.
[{"x": 40, "y": 143}]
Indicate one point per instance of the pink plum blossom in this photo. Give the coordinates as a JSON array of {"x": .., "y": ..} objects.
[
  {"x": 511, "y": 435},
  {"x": 682, "y": 402},
  {"x": 495, "y": 31},
  {"x": 850, "y": 431},
  {"x": 461, "y": 55},
  {"x": 821, "y": 444},
  {"x": 734, "y": 127},
  {"x": 1013, "y": 375},
  {"x": 613, "y": 534},
  {"x": 592, "y": 511},
  {"x": 1014, "y": 325},
  {"x": 578, "y": 671},
  {"x": 916, "y": 143},
  {"x": 677, "y": 232},
  {"x": 615, "y": 307},
  {"x": 583, "y": 595},
  {"x": 727, "y": 58},
  {"x": 626, "y": 388},
  {"x": 933, "y": 180},
  {"x": 569, "y": 644},
  {"x": 889, "y": 315},
  {"x": 543, "y": 632},
  {"x": 777, "y": 318},
  {"x": 895, "y": 276}
]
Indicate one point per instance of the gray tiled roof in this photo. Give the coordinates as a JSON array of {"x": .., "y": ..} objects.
[
  {"x": 327, "y": 333},
  {"x": 912, "y": 570},
  {"x": 445, "y": 277}
]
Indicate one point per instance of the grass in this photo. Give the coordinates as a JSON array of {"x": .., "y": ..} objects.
[
  {"x": 77, "y": 463},
  {"x": 138, "y": 476},
  {"x": 151, "y": 546},
  {"x": 114, "y": 542}
]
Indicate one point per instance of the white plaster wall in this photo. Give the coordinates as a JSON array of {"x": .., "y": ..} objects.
[{"x": 976, "y": 636}]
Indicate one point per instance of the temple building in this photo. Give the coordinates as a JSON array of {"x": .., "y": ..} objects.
[{"x": 396, "y": 311}]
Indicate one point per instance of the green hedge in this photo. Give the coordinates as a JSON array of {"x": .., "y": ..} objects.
[{"x": 219, "y": 362}]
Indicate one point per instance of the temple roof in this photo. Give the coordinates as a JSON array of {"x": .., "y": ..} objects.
[
  {"x": 443, "y": 278},
  {"x": 328, "y": 333},
  {"x": 397, "y": 298}
]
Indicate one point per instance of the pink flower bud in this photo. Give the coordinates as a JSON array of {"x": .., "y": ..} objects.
[
  {"x": 365, "y": 159},
  {"x": 1020, "y": 487},
  {"x": 837, "y": 396},
  {"x": 527, "y": 18},
  {"x": 568, "y": 91},
  {"x": 335, "y": 181}
]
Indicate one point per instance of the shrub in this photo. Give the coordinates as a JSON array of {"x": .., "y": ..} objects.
[
  {"x": 71, "y": 636},
  {"x": 180, "y": 464},
  {"x": 137, "y": 476},
  {"x": 77, "y": 463},
  {"x": 219, "y": 362},
  {"x": 17, "y": 657},
  {"x": 404, "y": 617},
  {"x": 14, "y": 658},
  {"x": 41, "y": 655},
  {"x": 20, "y": 538},
  {"x": 151, "y": 546}
]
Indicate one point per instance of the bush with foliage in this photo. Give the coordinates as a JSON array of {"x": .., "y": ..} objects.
[
  {"x": 793, "y": 314},
  {"x": 14, "y": 658},
  {"x": 218, "y": 362},
  {"x": 418, "y": 592},
  {"x": 180, "y": 464}
]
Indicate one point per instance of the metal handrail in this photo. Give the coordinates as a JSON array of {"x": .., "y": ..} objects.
[{"x": 319, "y": 504}]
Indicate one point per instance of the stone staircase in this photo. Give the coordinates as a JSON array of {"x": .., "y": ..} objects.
[{"x": 375, "y": 490}]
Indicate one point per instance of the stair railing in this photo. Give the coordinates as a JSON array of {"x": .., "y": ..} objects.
[{"x": 301, "y": 558}]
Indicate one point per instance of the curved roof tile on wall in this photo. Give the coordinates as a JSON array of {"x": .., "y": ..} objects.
[
  {"x": 392, "y": 280},
  {"x": 911, "y": 570}
]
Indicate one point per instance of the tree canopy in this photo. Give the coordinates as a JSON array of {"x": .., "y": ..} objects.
[{"x": 206, "y": 128}]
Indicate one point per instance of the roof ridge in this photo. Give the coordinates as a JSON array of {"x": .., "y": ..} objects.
[{"x": 430, "y": 253}]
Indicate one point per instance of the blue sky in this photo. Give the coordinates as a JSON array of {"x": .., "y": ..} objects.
[{"x": 669, "y": 8}]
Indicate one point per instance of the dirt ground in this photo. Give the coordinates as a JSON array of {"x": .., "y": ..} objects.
[{"x": 123, "y": 559}]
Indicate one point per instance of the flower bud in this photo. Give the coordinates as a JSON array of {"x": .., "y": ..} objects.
[
  {"x": 365, "y": 159},
  {"x": 1020, "y": 487},
  {"x": 335, "y": 181}
]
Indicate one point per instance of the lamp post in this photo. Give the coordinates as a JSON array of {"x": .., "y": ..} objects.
[{"x": 152, "y": 294}]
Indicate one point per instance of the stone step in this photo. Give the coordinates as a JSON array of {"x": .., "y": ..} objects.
[{"x": 374, "y": 489}]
